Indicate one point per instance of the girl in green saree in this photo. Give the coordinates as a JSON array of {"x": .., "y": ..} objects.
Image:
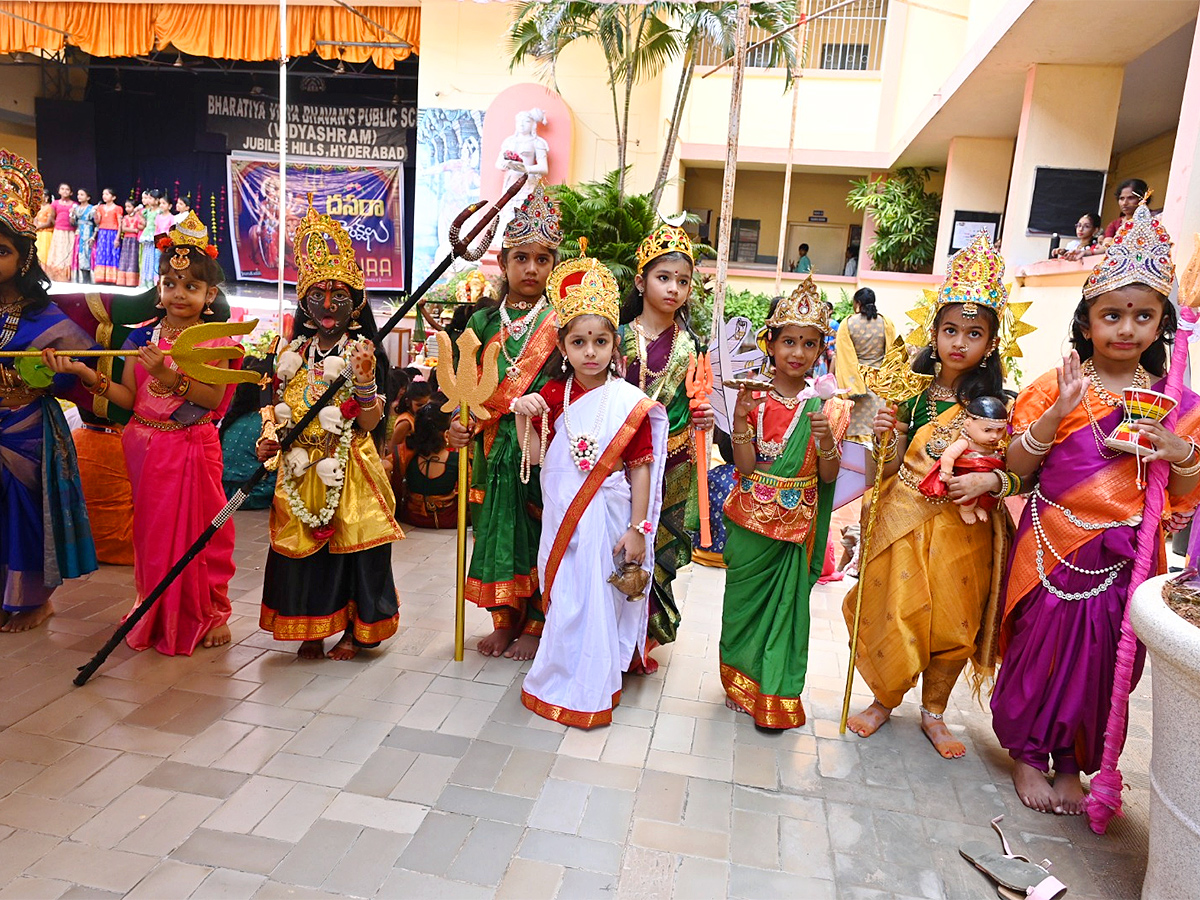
[{"x": 786, "y": 449}]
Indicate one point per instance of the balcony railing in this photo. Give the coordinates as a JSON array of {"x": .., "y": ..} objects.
[{"x": 850, "y": 38}]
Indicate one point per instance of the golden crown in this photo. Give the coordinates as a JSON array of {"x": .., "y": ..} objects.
[
  {"x": 190, "y": 232},
  {"x": 1139, "y": 254},
  {"x": 316, "y": 261},
  {"x": 20, "y": 192},
  {"x": 975, "y": 277},
  {"x": 804, "y": 307},
  {"x": 584, "y": 286},
  {"x": 535, "y": 221},
  {"x": 668, "y": 237}
]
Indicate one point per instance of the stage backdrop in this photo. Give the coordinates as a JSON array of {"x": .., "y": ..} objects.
[
  {"x": 366, "y": 199},
  {"x": 448, "y": 143}
]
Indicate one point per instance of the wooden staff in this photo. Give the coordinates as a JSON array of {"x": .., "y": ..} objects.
[{"x": 468, "y": 388}]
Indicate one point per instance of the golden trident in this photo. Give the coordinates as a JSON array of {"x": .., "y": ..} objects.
[
  {"x": 893, "y": 382},
  {"x": 468, "y": 387},
  {"x": 191, "y": 360}
]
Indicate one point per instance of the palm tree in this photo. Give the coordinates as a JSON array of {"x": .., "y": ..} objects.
[
  {"x": 716, "y": 24},
  {"x": 637, "y": 44}
]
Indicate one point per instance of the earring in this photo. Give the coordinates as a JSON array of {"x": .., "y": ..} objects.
[
  {"x": 564, "y": 364},
  {"x": 612, "y": 365},
  {"x": 354, "y": 326},
  {"x": 28, "y": 262},
  {"x": 208, "y": 310}
]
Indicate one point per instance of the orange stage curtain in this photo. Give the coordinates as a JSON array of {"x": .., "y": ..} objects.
[{"x": 201, "y": 29}]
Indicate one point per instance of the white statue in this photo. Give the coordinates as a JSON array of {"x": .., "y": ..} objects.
[{"x": 522, "y": 152}]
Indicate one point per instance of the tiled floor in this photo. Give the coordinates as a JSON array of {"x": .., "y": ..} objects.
[{"x": 244, "y": 772}]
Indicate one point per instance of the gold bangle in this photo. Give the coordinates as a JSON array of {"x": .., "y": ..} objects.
[
  {"x": 100, "y": 387},
  {"x": 835, "y": 452},
  {"x": 1185, "y": 471},
  {"x": 742, "y": 437}
]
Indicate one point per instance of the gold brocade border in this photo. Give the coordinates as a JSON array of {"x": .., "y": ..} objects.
[
  {"x": 538, "y": 348},
  {"x": 534, "y": 627},
  {"x": 476, "y": 495},
  {"x": 677, "y": 441},
  {"x": 569, "y": 716},
  {"x": 505, "y": 617},
  {"x": 104, "y": 332},
  {"x": 502, "y": 593},
  {"x": 768, "y": 710},
  {"x": 708, "y": 558},
  {"x": 606, "y": 465},
  {"x": 315, "y": 628}
]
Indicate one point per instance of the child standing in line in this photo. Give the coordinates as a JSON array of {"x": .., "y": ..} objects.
[
  {"x": 933, "y": 580},
  {"x": 1068, "y": 576},
  {"x": 601, "y": 492},
  {"x": 173, "y": 455},
  {"x": 107, "y": 217},
  {"x": 787, "y": 454},
  {"x": 658, "y": 346},
  {"x": 132, "y": 223}
]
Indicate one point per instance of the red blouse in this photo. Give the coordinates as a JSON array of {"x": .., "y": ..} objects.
[{"x": 638, "y": 452}]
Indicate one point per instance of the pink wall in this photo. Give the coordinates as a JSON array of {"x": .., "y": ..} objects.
[{"x": 500, "y": 120}]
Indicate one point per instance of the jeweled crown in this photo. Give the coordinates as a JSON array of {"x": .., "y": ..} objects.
[
  {"x": 20, "y": 192},
  {"x": 316, "y": 260},
  {"x": 535, "y": 221},
  {"x": 974, "y": 278},
  {"x": 803, "y": 307},
  {"x": 667, "y": 238},
  {"x": 190, "y": 232},
  {"x": 1140, "y": 253},
  {"x": 584, "y": 286}
]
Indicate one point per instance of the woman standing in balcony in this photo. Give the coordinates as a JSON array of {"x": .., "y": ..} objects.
[{"x": 861, "y": 342}]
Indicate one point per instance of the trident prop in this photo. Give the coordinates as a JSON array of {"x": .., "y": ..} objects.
[
  {"x": 464, "y": 248},
  {"x": 468, "y": 389},
  {"x": 699, "y": 386},
  {"x": 894, "y": 382},
  {"x": 191, "y": 360}
]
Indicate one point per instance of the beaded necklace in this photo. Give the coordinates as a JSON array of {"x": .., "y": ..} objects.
[
  {"x": 11, "y": 313},
  {"x": 943, "y": 435},
  {"x": 585, "y": 446},
  {"x": 1110, "y": 573},
  {"x": 646, "y": 375},
  {"x": 519, "y": 330}
]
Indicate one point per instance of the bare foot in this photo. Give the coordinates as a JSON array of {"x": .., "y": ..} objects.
[
  {"x": 735, "y": 706},
  {"x": 867, "y": 722},
  {"x": 1070, "y": 794},
  {"x": 26, "y": 621},
  {"x": 1033, "y": 788},
  {"x": 497, "y": 642},
  {"x": 217, "y": 636},
  {"x": 640, "y": 666},
  {"x": 524, "y": 647},
  {"x": 344, "y": 649},
  {"x": 311, "y": 650},
  {"x": 941, "y": 738}
]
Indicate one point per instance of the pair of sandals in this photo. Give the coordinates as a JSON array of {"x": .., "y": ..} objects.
[{"x": 1016, "y": 877}]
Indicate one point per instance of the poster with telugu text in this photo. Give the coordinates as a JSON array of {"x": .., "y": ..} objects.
[{"x": 366, "y": 199}]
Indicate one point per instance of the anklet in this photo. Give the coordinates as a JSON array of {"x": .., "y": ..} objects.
[{"x": 932, "y": 715}]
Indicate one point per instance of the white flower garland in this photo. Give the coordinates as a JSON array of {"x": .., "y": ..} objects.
[{"x": 333, "y": 494}]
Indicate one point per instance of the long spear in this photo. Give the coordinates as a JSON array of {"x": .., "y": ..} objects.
[
  {"x": 1104, "y": 801},
  {"x": 458, "y": 248}
]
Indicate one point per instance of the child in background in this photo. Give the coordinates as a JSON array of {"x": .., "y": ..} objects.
[
  {"x": 787, "y": 454},
  {"x": 601, "y": 492},
  {"x": 107, "y": 217},
  {"x": 174, "y": 456},
  {"x": 240, "y": 430},
  {"x": 412, "y": 402},
  {"x": 431, "y": 478},
  {"x": 132, "y": 223},
  {"x": 151, "y": 209}
]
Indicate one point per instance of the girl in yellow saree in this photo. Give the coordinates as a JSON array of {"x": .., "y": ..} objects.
[{"x": 932, "y": 580}]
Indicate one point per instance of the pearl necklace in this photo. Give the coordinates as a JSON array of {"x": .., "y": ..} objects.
[
  {"x": 11, "y": 314},
  {"x": 585, "y": 446},
  {"x": 1041, "y": 539},
  {"x": 774, "y": 449},
  {"x": 518, "y": 329}
]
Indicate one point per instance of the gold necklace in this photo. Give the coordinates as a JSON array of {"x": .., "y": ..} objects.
[
  {"x": 1141, "y": 380},
  {"x": 943, "y": 435},
  {"x": 787, "y": 402},
  {"x": 645, "y": 373}
]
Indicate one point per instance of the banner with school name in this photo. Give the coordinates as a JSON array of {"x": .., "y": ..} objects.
[
  {"x": 334, "y": 128},
  {"x": 366, "y": 199}
]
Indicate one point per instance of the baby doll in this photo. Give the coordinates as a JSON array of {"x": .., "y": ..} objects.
[{"x": 978, "y": 449}]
